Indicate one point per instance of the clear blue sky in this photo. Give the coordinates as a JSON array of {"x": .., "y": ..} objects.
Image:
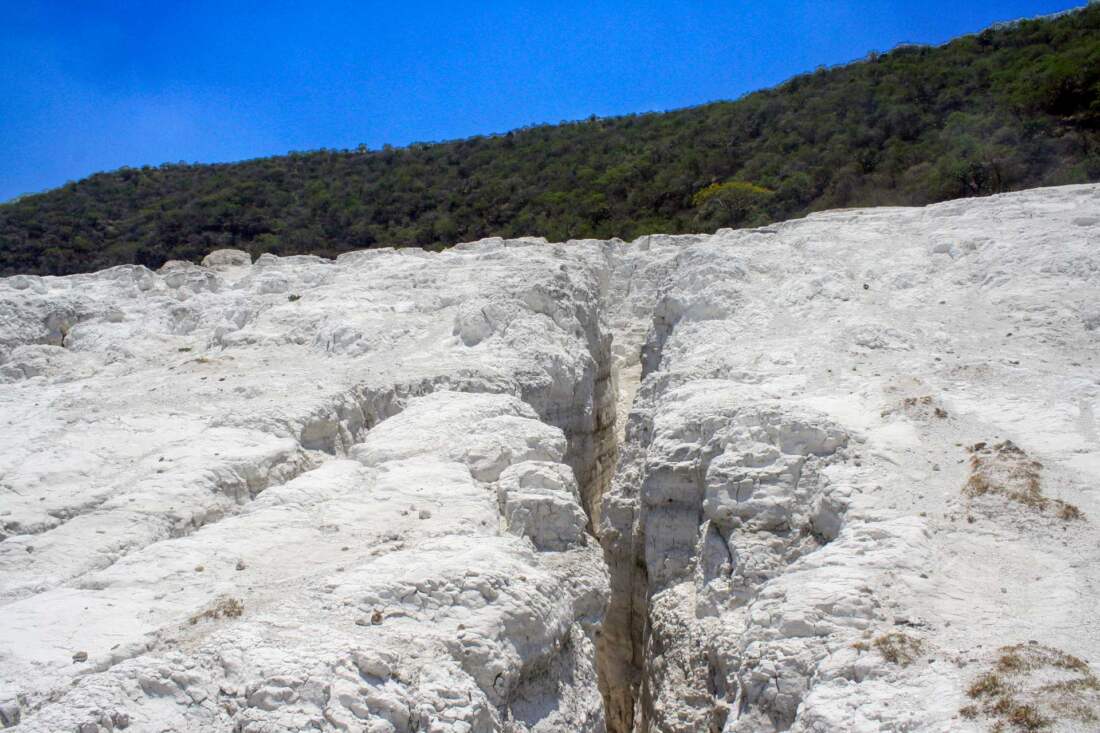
[{"x": 88, "y": 85}]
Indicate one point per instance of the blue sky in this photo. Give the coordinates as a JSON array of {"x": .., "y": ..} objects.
[{"x": 88, "y": 86}]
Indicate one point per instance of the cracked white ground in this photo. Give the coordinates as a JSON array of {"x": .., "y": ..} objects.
[{"x": 391, "y": 492}]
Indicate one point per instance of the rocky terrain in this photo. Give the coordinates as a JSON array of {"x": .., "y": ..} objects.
[{"x": 836, "y": 474}]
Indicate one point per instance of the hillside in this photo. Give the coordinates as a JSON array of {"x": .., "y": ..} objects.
[
  {"x": 838, "y": 475},
  {"x": 1012, "y": 107}
]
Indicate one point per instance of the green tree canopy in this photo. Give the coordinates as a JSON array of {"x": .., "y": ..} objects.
[{"x": 735, "y": 202}]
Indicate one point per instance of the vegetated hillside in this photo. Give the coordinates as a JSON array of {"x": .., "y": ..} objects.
[{"x": 1015, "y": 106}]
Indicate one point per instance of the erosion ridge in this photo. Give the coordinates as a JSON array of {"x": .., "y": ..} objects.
[{"x": 404, "y": 491}]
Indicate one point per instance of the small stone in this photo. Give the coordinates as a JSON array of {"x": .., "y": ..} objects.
[
  {"x": 10, "y": 714},
  {"x": 425, "y": 514},
  {"x": 80, "y": 657},
  {"x": 241, "y": 565},
  {"x": 376, "y": 618},
  {"x": 199, "y": 568}
]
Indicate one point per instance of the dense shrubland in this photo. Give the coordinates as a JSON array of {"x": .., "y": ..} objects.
[{"x": 1012, "y": 107}]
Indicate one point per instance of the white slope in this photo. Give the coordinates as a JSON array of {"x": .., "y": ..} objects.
[
  {"x": 789, "y": 512},
  {"x": 304, "y": 494},
  {"x": 266, "y": 497}
]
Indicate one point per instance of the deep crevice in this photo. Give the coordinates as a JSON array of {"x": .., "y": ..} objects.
[{"x": 620, "y": 647}]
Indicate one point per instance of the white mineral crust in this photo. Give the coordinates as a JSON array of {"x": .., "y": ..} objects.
[{"x": 365, "y": 494}]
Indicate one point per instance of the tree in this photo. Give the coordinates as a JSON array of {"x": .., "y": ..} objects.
[{"x": 735, "y": 202}]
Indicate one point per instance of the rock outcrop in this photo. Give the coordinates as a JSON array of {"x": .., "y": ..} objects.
[
  {"x": 305, "y": 494},
  {"x": 807, "y": 531},
  {"x": 836, "y": 474}
]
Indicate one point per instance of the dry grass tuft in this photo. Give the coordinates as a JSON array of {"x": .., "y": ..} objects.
[
  {"x": 918, "y": 407},
  {"x": 1068, "y": 512},
  {"x": 1033, "y": 687},
  {"x": 1004, "y": 469},
  {"x": 224, "y": 608},
  {"x": 898, "y": 648}
]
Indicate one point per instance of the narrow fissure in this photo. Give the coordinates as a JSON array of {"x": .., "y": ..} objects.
[
  {"x": 612, "y": 500},
  {"x": 620, "y": 647},
  {"x": 595, "y": 452},
  {"x": 594, "y": 456}
]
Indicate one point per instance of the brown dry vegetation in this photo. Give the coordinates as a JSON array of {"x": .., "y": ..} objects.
[
  {"x": 922, "y": 407},
  {"x": 898, "y": 648},
  {"x": 1004, "y": 469},
  {"x": 1032, "y": 688},
  {"x": 224, "y": 608}
]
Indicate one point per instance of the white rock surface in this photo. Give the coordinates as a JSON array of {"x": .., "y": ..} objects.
[
  {"x": 265, "y": 498},
  {"x": 227, "y": 259},
  {"x": 299, "y": 494},
  {"x": 794, "y": 507}
]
